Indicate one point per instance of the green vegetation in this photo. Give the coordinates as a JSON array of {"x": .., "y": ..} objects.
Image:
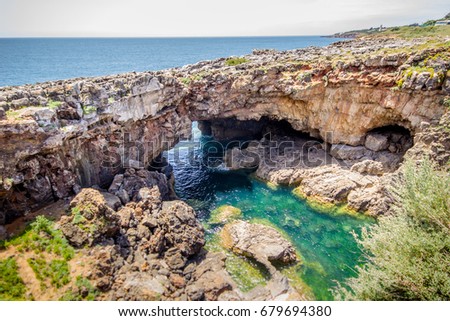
[
  {"x": 84, "y": 291},
  {"x": 305, "y": 76},
  {"x": 419, "y": 69},
  {"x": 53, "y": 104},
  {"x": 427, "y": 29},
  {"x": 56, "y": 271},
  {"x": 42, "y": 237},
  {"x": 235, "y": 61},
  {"x": 224, "y": 214},
  {"x": 408, "y": 253},
  {"x": 12, "y": 287},
  {"x": 111, "y": 100},
  {"x": 411, "y": 32},
  {"x": 89, "y": 109},
  {"x": 186, "y": 80},
  {"x": 245, "y": 272},
  {"x": 13, "y": 113},
  {"x": 81, "y": 221},
  {"x": 446, "y": 102}
]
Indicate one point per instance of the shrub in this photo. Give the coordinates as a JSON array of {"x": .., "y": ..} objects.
[
  {"x": 12, "y": 287},
  {"x": 408, "y": 253},
  {"x": 235, "y": 61}
]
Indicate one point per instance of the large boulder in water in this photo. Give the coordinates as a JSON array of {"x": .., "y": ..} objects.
[{"x": 260, "y": 242}]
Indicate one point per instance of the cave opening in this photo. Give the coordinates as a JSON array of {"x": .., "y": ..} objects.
[
  {"x": 393, "y": 138},
  {"x": 226, "y": 129}
]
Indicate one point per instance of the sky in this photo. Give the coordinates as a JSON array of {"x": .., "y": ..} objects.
[{"x": 203, "y": 18}]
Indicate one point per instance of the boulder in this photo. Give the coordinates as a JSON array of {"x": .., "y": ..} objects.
[
  {"x": 376, "y": 142},
  {"x": 112, "y": 200},
  {"x": 182, "y": 230},
  {"x": 260, "y": 242},
  {"x": 210, "y": 279},
  {"x": 126, "y": 186},
  {"x": 346, "y": 152},
  {"x": 368, "y": 167},
  {"x": 91, "y": 220}
]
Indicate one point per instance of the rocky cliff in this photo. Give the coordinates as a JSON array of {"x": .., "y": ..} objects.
[
  {"x": 333, "y": 122},
  {"x": 57, "y": 137}
]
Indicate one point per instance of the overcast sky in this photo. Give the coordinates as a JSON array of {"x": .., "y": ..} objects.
[{"x": 148, "y": 18}]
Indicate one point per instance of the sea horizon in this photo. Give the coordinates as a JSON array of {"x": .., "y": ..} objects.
[{"x": 29, "y": 60}]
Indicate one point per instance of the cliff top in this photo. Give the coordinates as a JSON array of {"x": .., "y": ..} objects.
[{"x": 415, "y": 30}]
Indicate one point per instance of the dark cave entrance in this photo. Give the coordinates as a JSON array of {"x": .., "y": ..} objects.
[
  {"x": 227, "y": 129},
  {"x": 392, "y": 138}
]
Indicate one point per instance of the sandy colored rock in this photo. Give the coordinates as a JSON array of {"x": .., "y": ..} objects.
[{"x": 257, "y": 241}]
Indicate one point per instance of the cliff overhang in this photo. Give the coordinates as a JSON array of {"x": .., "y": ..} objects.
[{"x": 58, "y": 137}]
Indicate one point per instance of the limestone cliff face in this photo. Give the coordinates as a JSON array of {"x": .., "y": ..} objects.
[
  {"x": 50, "y": 153},
  {"x": 59, "y": 136}
]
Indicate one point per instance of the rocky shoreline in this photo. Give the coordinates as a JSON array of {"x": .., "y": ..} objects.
[{"x": 350, "y": 112}]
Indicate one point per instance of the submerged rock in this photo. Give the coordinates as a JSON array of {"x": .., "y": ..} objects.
[{"x": 224, "y": 214}]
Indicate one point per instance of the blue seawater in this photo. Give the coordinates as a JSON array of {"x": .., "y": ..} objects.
[{"x": 31, "y": 60}]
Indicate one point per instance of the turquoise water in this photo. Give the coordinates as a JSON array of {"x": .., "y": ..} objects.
[
  {"x": 325, "y": 241},
  {"x": 30, "y": 60}
]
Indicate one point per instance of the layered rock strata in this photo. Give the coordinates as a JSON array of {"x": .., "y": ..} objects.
[{"x": 57, "y": 137}]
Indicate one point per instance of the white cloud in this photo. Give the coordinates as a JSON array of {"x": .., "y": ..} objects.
[{"x": 140, "y": 18}]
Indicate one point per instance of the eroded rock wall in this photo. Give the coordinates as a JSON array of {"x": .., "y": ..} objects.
[{"x": 59, "y": 136}]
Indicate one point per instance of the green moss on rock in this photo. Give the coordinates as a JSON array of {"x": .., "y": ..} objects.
[{"x": 224, "y": 214}]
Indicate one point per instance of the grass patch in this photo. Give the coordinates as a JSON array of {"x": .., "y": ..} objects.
[
  {"x": 404, "y": 32},
  {"x": 53, "y": 104},
  {"x": 411, "y": 32},
  {"x": 235, "y": 61},
  {"x": 12, "y": 287},
  {"x": 15, "y": 114},
  {"x": 89, "y": 109},
  {"x": 186, "y": 80},
  {"x": 40, "y": 237},
  {"x": 56, "y": 271}
]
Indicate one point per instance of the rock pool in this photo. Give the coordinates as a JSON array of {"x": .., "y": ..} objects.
[{"x": 325, "y": 241}]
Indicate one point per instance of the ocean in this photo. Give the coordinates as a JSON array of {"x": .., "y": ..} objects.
[{"x": 31, "y": 60}]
